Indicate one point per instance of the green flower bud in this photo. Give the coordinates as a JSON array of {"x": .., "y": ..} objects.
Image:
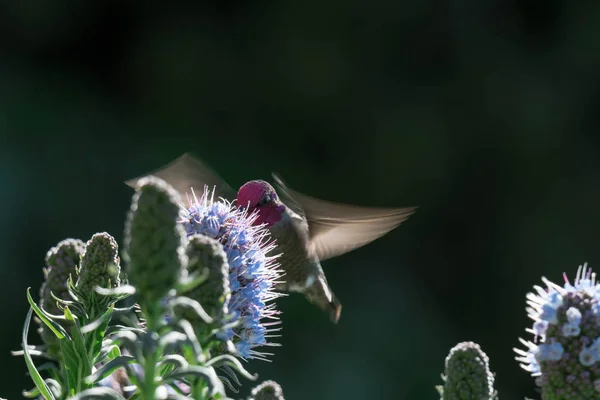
[
  {"x": 154, "y": 243},
  {"x": 99, "y": 264},
  {"x": 206, "y": 255},
  {"x": 61, "y": 261},
  {"x": 268, "y": 390},
  {"x": 467, "y": 374}
]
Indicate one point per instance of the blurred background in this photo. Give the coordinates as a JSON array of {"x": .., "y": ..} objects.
[{"x": 485, "y": 114}]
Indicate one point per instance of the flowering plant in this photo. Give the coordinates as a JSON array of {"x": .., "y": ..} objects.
[
  {"x": 563, "y": 356},
  {"x": 202, "y": 277}
]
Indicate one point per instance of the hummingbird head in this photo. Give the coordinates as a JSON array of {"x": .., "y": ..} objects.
[{"x": 261, "y": 196}]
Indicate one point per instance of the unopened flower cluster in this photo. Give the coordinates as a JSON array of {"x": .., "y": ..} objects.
[{"x": 467, "y": 374}]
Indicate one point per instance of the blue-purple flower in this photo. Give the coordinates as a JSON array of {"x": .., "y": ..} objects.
[
  {"x": 564, "y": 355},
  {"x": 252, "y": 272}
]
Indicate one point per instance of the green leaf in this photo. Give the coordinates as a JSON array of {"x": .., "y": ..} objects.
[
  {"x": 35, "y": 375},
  {"x": 97, "y": 338},
  {"x": 231, "y": 373},
  {"x": 108, "y": 353},
  {"x": 109, "y": 368},
  {"x": 193, "y": 306},
  {"x": 33, "y": 352},
  {"x": 193, "y": 281},
  {"x": 206, "y": 374},
  {"x": 188, "y": 329},
  {"x": 70, "y": 362},
  {"x": 32, "y": 394},
  {"x": 58, "y": 330},
  {"x": 76, "y": 356},
  {"x": 104, "y": 319},
  {"x": 47, "y": 366},
  {"x": 230, "y": 361},
  {"x": 228, "y": 383},
  {"x": 122, "y": 291},
  {"x": 98, "y": 393},
  {"x": 171, "y": 339},
  {"x": 54, "y": 386},
  {"x": 175, "y": 360}
]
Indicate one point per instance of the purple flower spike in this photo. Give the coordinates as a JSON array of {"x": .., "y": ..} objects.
[
  {"x": 252, "y": 272},
  {"x": 564, "y": 355}
]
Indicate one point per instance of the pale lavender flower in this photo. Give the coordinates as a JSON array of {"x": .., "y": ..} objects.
[{"x": 565, "y": 352}]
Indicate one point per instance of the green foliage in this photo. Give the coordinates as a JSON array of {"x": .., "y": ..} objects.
[{"x": 147, "y": 350}]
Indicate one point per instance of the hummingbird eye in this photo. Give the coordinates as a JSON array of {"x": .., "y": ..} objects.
[{"x": 265, "y": 200}]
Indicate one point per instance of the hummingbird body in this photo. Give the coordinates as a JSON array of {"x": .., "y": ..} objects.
[
  {"x": 307, "y": 230},
  {"x": 303, "y": 271}
]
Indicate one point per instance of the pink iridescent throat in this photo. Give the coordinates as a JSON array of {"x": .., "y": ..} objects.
[{"x": 269, "y": 214}]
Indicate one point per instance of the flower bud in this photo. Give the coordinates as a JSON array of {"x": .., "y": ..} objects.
[
  {"x": 206, "y": 254},
  {"x": 99, "y": 264},
  {"x": 61, "y": 262},
  {"x": 154, "y": 243},
  {"x": 268, "y": 390},
  {"x": 467, "y": 374}
]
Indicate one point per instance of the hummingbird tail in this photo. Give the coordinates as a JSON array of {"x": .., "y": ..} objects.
[{"x": 335, "y": 310}]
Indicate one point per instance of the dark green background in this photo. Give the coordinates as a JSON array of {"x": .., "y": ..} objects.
[{"x": 483, "y": 113}]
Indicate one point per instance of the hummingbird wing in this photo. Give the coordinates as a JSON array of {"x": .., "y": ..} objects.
[
  {"x": 187, "y": 171},
  {"x": 336, "y": 228}
]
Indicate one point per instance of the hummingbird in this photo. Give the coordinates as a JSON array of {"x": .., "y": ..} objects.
[{"x": 307, "y": 230}]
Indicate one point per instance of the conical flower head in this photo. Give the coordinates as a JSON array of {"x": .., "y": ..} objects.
[
  {"x": 252, "y": 273},
  {"x": 564, "y": 355},
  {"x": 268, "y": 390},
  {"x": 99, "y": 264},
  {"x": 206, "y": 254},
  {"x": 154, "y": 243},
  {"x": 467, "y": 374},
  {"x": 61, "y": 262}
]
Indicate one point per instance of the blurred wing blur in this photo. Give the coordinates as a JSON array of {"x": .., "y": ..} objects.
[
  {"x": 337, "y": 228},
  {"x": 188, "y": 172}
]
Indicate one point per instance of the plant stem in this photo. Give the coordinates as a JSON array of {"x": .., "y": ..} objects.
[
  {"x": 149, "y": 389},
  {"x": 150, "y": 340}
]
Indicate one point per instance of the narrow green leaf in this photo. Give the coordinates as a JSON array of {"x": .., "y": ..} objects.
[
  {"x": 230, "y": 361},
  {"x": 206, "y": 374},
  {"x": 69, "y": 315},
  {"x": 54, "y": 386},
  {"x": 32, "y": 394},
  {"x": 58, "y": 330},
  {"x": 174, "y": 359},
  {"x": 108, "y": 353},
  {"x": 109, "y": 368},
  {"x": 98, "y": 323},
  {"x": 98, "y": 393},
  {"x": 70, "y": 362},
  {"x": 194, "y": 307},
  {"x": 228, "y": 383},
  {"x": 192, "y": 282},
  {"x": 35, "y": 375},
  {"x": 122, "y": 291},
  {"x": 172, "y": 339}
]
